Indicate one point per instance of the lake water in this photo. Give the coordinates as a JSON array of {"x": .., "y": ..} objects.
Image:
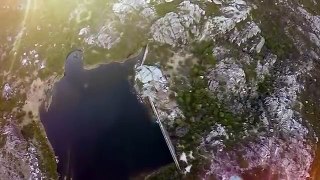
[{"x": 98, "y": 128}]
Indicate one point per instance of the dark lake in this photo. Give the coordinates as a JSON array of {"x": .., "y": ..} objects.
[{"x": 98, "y": 128}]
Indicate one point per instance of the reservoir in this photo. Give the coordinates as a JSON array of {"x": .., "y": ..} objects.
[{"x": 97, "y": 126}]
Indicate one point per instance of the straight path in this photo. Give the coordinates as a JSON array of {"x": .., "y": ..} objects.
[{"x": 165, "y": 134}]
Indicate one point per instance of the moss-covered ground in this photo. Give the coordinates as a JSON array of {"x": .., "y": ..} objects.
[{"x": 34, "y": 133}]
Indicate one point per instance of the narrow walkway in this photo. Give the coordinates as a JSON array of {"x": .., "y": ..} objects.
[
  {"x": 163, "y": 130},
  {"x": 165, "y": 135}
]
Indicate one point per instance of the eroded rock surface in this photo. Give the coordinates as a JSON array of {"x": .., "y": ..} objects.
[{"x": 254, "y": 62}]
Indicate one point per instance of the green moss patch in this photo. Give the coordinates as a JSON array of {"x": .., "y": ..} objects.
[
  {"x": 168, "y": 172},
  {"x": 3, "y": 139},
  {"x": 266, "y": 86},
  {"x": 164, "y": 8},
  {"x": 33, "y": 132},
  {"x": 272, "y": 24},
  {"x": 203, "y": 51},
  {"x": 209, "y": 7},
  {"x": 312, "y": 7}
]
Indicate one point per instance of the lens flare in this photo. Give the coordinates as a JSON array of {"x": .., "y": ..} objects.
[{"x": 18, "y": 38}]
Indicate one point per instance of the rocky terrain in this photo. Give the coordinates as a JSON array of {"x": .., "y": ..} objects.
[{"x": 235, "y": 82}]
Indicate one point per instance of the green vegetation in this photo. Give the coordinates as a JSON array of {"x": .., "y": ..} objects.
[
  {"x": 203, "y": 110},
  {"x": 203, "y": 51},
  {"x": 133, "y": 37},
  {"x": 309, "y": 98},
  {"x": 273, "y": 29},
  {"x": 20, "y": 114},
  {"x": 159, "y": 53},
  {"x": 265, "y": 86},
  {"x": 3, "y": 139},
  {"x": 33, "y": 132},
  {"x": 53, "y": 36},
  {"x": 209, "y": 8},
  {"x": 250, "y": 71},
  {"x": 310, "y": 6},
  {"x": 163, "y": 8},
  {"x": 28, "y": 131},
  {"x": 168, "y": 172},
  {"x": 12, "y": 102}
]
